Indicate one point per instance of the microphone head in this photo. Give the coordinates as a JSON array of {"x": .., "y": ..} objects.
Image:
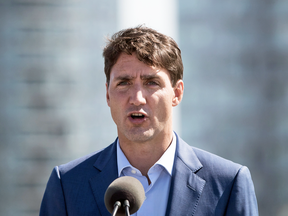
[{"x": 124, "y": 188}]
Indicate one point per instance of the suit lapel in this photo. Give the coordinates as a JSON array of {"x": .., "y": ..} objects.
[
  {"x": 108, "y": 172},
  {"x": 186, "y": 186}
]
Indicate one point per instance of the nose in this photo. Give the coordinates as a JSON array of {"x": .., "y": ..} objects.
[{"x": 137, "y": 96}]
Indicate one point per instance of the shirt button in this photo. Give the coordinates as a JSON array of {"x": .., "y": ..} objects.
[{"x": 133, "y": 171}]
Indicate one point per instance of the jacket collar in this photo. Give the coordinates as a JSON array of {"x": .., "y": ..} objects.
[
  {"x": 106, "y": 165},
  {"x": 186, "y": 187}
]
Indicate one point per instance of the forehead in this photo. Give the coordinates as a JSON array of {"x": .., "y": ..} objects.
[{"x": 131, "y": 66}]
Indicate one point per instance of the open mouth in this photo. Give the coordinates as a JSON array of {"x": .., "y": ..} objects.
[{"x": 137, "y": 116}]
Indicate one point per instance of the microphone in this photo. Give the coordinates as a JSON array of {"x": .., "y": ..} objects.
[{"x": 127, "y": 192}]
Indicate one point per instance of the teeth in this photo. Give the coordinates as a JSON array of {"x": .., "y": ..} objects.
[{"x": 137, "y": 114}]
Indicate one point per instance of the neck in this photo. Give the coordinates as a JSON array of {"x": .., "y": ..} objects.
[{"x": 145, "y": 154}]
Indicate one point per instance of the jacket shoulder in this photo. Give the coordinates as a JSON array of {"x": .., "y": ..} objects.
[
  {"x": 230, "y": 182},
  {"x": 216, "y": 167},
  {"x": 215, "y": 162},
  {"x": 83, "y": 164},
  {"x": 205, "y": 163}
]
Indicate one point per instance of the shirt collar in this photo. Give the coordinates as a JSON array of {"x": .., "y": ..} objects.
[
  {"x": 166, "y": 160},
  {"x": 122, "y": 161}
]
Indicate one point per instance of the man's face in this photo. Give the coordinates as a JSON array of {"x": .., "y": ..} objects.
[{"x": 141, "y": 98}]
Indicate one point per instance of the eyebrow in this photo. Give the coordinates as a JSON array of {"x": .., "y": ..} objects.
[
  {"x": 149, "y": 76},
  {"x": 123, "y": 77},
  {"x": 143, "y": 77}
]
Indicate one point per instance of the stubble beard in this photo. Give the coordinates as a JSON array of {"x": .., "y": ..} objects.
[{"x": 138, "y": 134}]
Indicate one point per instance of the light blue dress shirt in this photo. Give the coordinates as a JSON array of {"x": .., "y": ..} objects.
[{"x": 160, "y": 176}]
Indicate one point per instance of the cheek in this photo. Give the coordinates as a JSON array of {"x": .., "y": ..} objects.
[
  {"x": 117, "y": 107},
  {"x": 115, "y": 114},
  {"x": 163, "y": 108}
]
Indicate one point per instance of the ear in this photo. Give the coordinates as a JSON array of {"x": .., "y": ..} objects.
[
  {"x": 178, "y": 92},
  {"x": 107, "y": 94}
]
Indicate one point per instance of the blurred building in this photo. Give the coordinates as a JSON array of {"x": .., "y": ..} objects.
[
  {"x": 53, "y": 106},
  {"x": 52, "y": 88},
  {"x": 236, "y": 65}
]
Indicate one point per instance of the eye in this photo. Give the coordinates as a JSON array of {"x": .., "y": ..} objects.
[
  {"x": 123, "y": 83},
  {"x": 152, "y": 83}
]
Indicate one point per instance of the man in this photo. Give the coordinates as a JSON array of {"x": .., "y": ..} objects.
[{"x": 144, "y": 82}]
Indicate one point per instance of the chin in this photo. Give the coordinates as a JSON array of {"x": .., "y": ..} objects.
[{"x": 140, "y": 136}]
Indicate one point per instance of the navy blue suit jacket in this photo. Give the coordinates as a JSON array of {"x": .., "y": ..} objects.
[{"x": 202, "y": 184}]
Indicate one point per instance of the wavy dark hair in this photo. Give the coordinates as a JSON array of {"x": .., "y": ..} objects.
[{"x": 150, "y": 47}]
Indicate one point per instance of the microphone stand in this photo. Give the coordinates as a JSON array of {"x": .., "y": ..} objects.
[
  {"x": 116, "y": 206},
  {"x": 126, "y": 205}
]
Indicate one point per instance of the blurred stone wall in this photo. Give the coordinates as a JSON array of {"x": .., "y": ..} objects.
[
  {"x": 52, "y": 92},
  {"x": 235, "y": 103}
]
